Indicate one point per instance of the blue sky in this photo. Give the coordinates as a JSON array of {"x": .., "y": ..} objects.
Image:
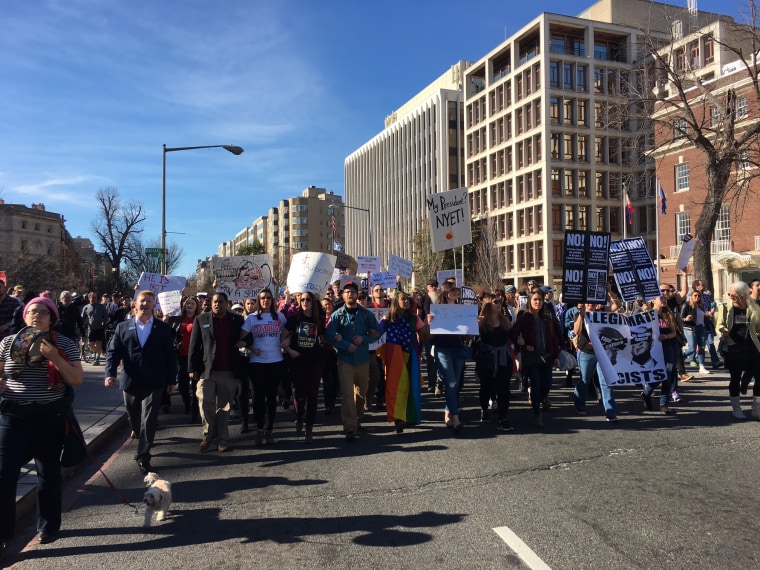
[{"x": 91, "y": 89}]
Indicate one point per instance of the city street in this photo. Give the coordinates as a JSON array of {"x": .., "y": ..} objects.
[{"x": 650, "y": 491}]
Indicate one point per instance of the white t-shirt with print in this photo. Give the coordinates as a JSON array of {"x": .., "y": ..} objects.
[{"x": 266, "y": 336}]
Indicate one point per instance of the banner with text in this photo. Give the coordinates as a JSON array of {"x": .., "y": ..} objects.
[
  {"x": 369, "y": 263},
  {"x": 584, "y": 267},
  {"x": 379, "y": 314},
  {"x": 449, "y": 214},
  {"x": 469, "y": 297},
  {"x": 310, "y": 271},
  {"x": 243, "y": 276},
  {"x": 171, "y": 303},
  {"x": 634, "y": 270},
  {"x": 385, "y": 279},
  {"x": 159, "y": 283},
  {"x": 687, "y": 250},
  {"x": 454, "y": 319},
  {"x": 628, "y": 348}
]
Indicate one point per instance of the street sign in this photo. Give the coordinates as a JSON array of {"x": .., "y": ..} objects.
[{"x": 152, "y": 250}]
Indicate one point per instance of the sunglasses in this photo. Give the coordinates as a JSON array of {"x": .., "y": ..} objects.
[{"x": 306, "y": 300}]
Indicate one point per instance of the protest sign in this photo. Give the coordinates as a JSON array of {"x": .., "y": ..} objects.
[
  {"x": 369, "y": 263},
  {"x": 335, "y": 276},
  {"x": 469, "y": 297},
  {"x": 444, "y": 274},
  {"x": 310, "y": 271},
  {"x": 449, "y": 214},
  {"x": 687, "y": 249},
  {"x": 170, "y": 303},
  {"x": 385, "y": 279},
  {"x": 350, "y": 279},
  {"x": 400, "y": 266},
  {"x": 584, "y": 267},
  {"x": 634, "y": 270},
  {"x": 627, "y": 348},
  {"x": 454, "y": 319},
  {"x": 243, "y": 276},
  {"x": 159, "y": 283},
  {"x": 379, "y": 314}
]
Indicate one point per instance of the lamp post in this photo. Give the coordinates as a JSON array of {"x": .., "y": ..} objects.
[
  {"x": 236, "y": 150},
  {"x": 369, "y": 221}
]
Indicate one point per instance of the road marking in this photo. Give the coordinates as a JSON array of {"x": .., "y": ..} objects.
[{"x": 521, "y": 549}]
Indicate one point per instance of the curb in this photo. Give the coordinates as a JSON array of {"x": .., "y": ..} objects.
[{"x": 96, "y": 436}]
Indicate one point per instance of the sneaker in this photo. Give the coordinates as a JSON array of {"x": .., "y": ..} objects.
[
  {"x": 438, "y": 389},
  {"x": 538, "y": 421},
  {"x": 350, "y": 436},
  {"x": 693, "y": 364},
  {"x": 494, "y": 404},
  {"x": 686, "y": 377},
  {"x": 667, "y": 411},
  {"x": 546, "y": 404},
  {"x": 612, "y": 418},
  {"x": 578, "y": 410},
  {"x": 504, "y": 425},
  {"x": 703, "y": 370},
  {"x": 717, "y": 365},
  {"x": 299, "y": 425},
  {"x": 647, "y": 401},
  {"x": 204, "y": 447},
  {"x": 484, "y": 416},
  {"x": 676, "y": 397}
]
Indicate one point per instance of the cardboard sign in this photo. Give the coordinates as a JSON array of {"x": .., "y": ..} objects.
[
  {"x": 369, "y": 263},
  {"x": 400, "y": 266},
  {"x": 243, "y": 276},
  {"x": 469, "y": 297},
  {"x": 444, "y": 274},
  {"x": 635, "y": 273},
  {"x": 584, "y": 267},
  {"x": 160, "y": 283},
  {"x": 310, "y": 271},
  {"x": 454, "y": 319},
  {"x": 379, "y": 314},
  {"x": 687, "y": 250},
  {"x": 449, "y": 214},
  {"x": 350, "y": 279},
  {"x": 385, "y": 279},
  {"x": 171, "y": 303},
  {"x": 631, "y": 352}
]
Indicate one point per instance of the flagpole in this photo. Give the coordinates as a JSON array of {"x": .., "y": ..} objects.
[{"x": 657, "y": 226}]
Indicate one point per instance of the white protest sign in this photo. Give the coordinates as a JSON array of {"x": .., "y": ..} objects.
[
  {"x": 369, "y": 263},
  {"x": 243, "y": 276},
  {"x": 335, "y": 276},
  {"x": 687, "y": 249},
  {"x": 449, "y": 214},
  {"x": 385, "y": 279},
  {"x": 454, "y": 319},
  {"x": 379, "y": 314},
  {"x": 170, "y": 302},
  {"x": 400, "y": 266},
  {"x": 310, "y": 271},
  {"x": 627, "y": 348},
  {"x": 350, "y": 279},
  {"x": 159, "y": 283},
  {"x": 444, "y": 274}
]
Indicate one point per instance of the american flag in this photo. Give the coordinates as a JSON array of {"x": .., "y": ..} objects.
[{"x": 334, "y": 228}]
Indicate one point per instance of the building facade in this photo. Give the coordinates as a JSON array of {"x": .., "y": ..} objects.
[{"x": 388, "y": 179}]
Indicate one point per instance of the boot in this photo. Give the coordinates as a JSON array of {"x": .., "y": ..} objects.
[
  {"x": 269, "y": 437},
  {"x": 244, "y": 428},
  {"x": 756, "y": 408},
  {"x": 259, "y": 437},
  {"x": 736, "y": 408},
  {"x": 309, "y": 438}
]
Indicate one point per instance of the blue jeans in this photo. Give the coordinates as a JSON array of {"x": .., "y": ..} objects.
[
  {"x": 540, "y": 374},
  {"x": 21, "y": 439},
  {"x": 670, "y": 350},
  {"x": 697, "y": 338},
  {"x": 587, "y": 363},
  {"x": 450, "y": 366}
]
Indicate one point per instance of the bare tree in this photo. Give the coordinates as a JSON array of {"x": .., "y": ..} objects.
[
  {"x": 426, "y": 262},
  {"x": 116, "y": 226},
  {"x": 489, "y": 268},
  {"x": 138, "y": 261},
  {"x": 685, "y": 107}
]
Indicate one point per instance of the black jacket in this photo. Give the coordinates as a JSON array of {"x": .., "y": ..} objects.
[{"x": 203, "y": 345}]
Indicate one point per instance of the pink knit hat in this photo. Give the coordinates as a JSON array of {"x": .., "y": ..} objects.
[{"x": 43, "y": 301}]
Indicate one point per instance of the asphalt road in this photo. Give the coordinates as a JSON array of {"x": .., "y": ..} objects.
[{"x": 650, "y": 491}]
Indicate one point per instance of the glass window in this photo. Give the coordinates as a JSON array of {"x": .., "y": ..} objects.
[
  {"x": 570, "y": 217},
  {"x": 580, "y": 78},
  {"x": 683, "y": 225},
  {"x": 722, "y": 232},
  {"x": 742, "y": 109},
  {"x": 682, "y": 177},
  {"x": 680, "y": 128}
]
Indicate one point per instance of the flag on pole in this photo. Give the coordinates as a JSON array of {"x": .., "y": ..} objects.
[
  {"x": 334, "y": 228},
  {"x": 337, "y": 246},
  {"x": 629, "y": 213},
  {"x": 663, "y": 201}
]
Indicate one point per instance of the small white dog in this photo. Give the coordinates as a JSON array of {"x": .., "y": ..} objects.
[{"x": 158, "y": 498}]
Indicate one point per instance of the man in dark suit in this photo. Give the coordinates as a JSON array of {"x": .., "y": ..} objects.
[
  {"x": 216, "y": 366},
  {"x": 145, "y": 349}
]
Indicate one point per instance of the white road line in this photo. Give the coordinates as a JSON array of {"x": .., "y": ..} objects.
[{"x": 521, "y": 549}]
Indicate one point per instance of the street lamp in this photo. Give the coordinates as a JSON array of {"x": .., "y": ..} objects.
[
  {"x": 369, "y": 221},
  {"x": 236, "y": 150}
]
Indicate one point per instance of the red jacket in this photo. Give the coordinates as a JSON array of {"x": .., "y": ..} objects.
[{"x": 525, "y": 325}]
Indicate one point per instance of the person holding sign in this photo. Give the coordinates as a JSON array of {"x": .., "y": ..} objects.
[
  {"x": 534, "y": 335},
  {"x": 670, "y": 348},
  {"x": 403, "y": 397},
  {"x": 349, "y": 331}
]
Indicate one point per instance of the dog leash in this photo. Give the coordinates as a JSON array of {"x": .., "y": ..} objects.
[{"x": 118, "y": 493}]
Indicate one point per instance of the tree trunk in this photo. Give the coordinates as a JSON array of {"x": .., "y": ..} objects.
[{"x": 717, "y": 182}]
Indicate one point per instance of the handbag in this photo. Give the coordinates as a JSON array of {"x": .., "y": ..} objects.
[
  {"x": 74, "y": 446},
  {"x": 567, "y": 361}
]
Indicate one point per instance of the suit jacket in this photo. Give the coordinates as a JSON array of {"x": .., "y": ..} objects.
[
  {"x": 203, "y": 345},
  {"x": 151, "y": 367}
]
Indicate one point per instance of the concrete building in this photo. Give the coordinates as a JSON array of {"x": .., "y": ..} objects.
[
  {"x": 388, "y": 179},
  {"x": 709, "y": 70},
  {"x": 549, "y": 145}
]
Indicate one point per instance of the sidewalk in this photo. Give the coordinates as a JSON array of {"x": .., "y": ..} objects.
[{"x": 100, "y": 412}]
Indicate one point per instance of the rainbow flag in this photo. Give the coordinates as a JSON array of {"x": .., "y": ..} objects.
[{"x": 403, "y": 395}]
